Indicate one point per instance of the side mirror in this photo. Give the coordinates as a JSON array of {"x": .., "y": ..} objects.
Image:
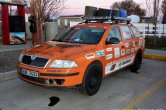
[{"x": 113, "y": 40}]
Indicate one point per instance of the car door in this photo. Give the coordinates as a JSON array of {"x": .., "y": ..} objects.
[
  {"x": 128, "y": 47},
  {"x": 139, "y": 40},
  {"x": 113, "y": 50}
]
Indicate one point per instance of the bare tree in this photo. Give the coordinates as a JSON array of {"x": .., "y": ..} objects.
[
  {"x": 149, "y": 7},
  {"x": 116, "y": 5},
  {"x": 163, "y": 7},
  {"x": 131, "y": 7},
  {"x": 41, "y": 9}
]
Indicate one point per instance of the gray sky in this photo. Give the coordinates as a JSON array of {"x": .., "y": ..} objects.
[{"x": 76, "y": 7}]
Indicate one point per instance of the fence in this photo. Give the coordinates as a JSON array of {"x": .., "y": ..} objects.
[
  {"x": 146, "y": 29},
  {"x": 149, "y": 29}
]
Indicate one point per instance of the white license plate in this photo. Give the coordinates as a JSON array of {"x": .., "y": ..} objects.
[{"x": 29, "y": 73}]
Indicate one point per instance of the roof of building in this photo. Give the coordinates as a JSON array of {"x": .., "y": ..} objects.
[{"x": 71, "y": 16}]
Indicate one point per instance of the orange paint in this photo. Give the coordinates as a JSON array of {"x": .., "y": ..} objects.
[{"x": 82, "y": 54}]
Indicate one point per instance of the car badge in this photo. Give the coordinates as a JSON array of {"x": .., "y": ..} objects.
[{"x": 33, "y": 57}]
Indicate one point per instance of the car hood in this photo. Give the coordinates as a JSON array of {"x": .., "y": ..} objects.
[{"x": 61, "y": 50}]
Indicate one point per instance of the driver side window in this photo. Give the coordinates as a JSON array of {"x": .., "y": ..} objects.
[{"x": 114, "y": 33}]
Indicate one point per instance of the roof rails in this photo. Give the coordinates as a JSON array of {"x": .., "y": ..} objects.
[
  {"x": 93, "y": 14},
  {"x": 102, "y": 19}
]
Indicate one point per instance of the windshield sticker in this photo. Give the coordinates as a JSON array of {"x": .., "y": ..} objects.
[
  {"x": 90, "y": 56},
  {"x": 109, "y": 56},
  {"x": 108, "y": 49},
  {"x": 100, "y": 53},
  {"x": 122, "y": 52},
  {"x": 117, "y": 52}
]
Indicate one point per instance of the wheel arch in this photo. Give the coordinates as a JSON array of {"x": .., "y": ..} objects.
[
  {"x": 98, "y": 62},
  {"x": 140, "y": 50}
]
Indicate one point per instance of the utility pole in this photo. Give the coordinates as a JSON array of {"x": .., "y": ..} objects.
[{"x": 155, "y": 20}]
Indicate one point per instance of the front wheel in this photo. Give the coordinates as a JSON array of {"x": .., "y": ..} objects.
[
  {"x": 137, "y": 63},
  {"x": 92, "y": 79}
]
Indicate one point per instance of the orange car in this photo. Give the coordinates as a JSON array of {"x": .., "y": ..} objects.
[{"x": 83, "y": 55}]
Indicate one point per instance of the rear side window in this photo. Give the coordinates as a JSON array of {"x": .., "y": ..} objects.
[
  {"x": 126, "y": 32},
  {"x": 136, "y": 32}
]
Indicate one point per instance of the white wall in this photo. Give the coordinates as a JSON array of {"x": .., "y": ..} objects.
[{"x": 51, "y": 29}]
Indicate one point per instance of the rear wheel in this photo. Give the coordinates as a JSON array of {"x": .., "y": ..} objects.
[
  {"x": 137, "y": 63},
  {"x": 92, "y": 79}
]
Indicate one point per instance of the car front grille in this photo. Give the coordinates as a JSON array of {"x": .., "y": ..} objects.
[{"x": 34, "y": 61}]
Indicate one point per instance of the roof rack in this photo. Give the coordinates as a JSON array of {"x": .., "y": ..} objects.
[
  {"x": 101, "y": 15},
  {"x": 102, "y": 19}
]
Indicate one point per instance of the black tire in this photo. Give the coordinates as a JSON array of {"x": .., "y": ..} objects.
[
  {"x": 137, "y": 62},
  {"x": 92, "y": 79}
]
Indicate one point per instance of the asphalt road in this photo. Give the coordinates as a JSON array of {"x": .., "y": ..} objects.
[
  {"x": 122, "y": 90},
  {"x": 8, "y": 60}
]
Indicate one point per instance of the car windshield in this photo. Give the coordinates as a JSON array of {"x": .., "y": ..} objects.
[{"x": 84, "y": 35}]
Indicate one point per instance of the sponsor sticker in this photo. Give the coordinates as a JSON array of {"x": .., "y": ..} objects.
[
  {"x": 127, "y": 45},
  {"x": 111, "y": 67},
  {"x": 108, "y": 49},
  {"x": 117, "y": 52},
  {"x": 140, "y": 43},
  {"x": 122, "y": 52},
  {"x": 134, "y": 43},
  {"x": 100, "y": 53},
  {"x": 132, "y": 50},
  {"x": 128, "y": 51},
  {"x": 109, "y": 56},
  {"x": 90, "y": 56}
]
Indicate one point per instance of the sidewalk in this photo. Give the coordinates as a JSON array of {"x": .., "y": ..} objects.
[
  {"x": 4, "y": 48},
  {"x": 155, "y": 54}
]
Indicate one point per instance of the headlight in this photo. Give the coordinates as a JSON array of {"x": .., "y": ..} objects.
[
  {"x": 20, "y": 57},
  {"x": 63, "y": 64}
]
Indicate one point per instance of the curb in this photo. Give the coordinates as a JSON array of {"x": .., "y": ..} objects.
[
  {"x": 8, "y": 75},
  {"x": 153, "y": 56}
]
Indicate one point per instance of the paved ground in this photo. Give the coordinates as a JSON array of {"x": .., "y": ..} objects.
[
  {"x": 8, "y": 60},
  {"x": 4, "y": 48},
  {"x": 121, "y": 90},
  {"x": 9, "y": 56}
]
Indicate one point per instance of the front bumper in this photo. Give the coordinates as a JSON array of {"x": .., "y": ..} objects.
[{"x": 48, "y": 77}]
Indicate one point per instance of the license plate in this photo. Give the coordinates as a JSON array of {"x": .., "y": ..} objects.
[{"x": 29, "y": 73}]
